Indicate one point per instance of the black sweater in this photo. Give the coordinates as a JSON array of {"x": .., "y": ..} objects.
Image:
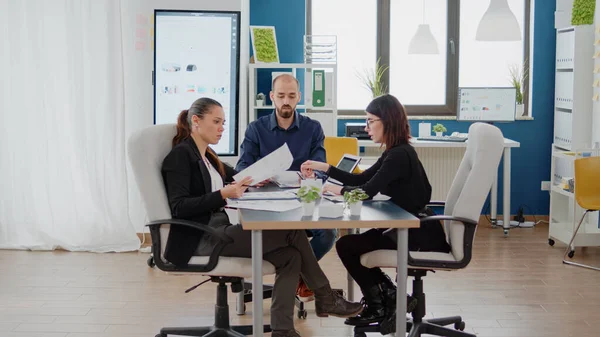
[{"x": 398, "y": 174}]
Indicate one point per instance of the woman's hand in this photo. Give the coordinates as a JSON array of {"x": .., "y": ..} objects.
[
  {"x": 335, "y": 189},
  {"x": 236, "y": 189},
  {"x": 308, "y": 167}
]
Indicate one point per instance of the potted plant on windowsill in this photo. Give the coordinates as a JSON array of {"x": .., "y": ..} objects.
[
  {"x": 439, "y": 129},
  {"x": 354, "y": 199},
  {"x": 518, "y": 77},
  {"x": 308, "y": 196}
]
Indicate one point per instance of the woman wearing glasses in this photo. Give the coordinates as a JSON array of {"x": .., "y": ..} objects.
[{"x": 400, "y": 175}]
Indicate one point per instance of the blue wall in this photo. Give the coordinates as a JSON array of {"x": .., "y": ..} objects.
[
  {"x": 530, "y": 162},
  {"x": 289, "y": 19}
]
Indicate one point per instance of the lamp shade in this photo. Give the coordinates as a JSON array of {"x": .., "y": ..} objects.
[
  {"x": 498, "y": 23},
  {"x": 423, "y": 42}
]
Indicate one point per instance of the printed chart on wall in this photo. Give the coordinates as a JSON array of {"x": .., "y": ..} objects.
[
  {"x": 487, "y": 104},
  {"x": 196, "y": 54}
]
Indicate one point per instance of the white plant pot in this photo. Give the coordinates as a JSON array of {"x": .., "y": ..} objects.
[
  {"x": 355, "y": 208},
  {"x": 520, "y": 110},
  {"x": 308, "y": 208},
  {"x": 260, "y": 102},
  {"x": 439, "y": 134}
]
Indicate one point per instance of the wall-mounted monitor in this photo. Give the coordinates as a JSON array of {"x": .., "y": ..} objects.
[
  {"x": 487, "y": 104},
  {"x": 197, "y": 54}
]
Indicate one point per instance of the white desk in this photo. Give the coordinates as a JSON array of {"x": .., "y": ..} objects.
[
  {"x": 508, "y": 145},
  {"x": 374, "y": 214}
]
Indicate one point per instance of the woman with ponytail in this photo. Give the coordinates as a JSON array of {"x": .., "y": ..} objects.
[{"x": 198, "y": 185}]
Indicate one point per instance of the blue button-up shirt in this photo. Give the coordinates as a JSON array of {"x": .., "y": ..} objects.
[{"x": 304, "y": 137}]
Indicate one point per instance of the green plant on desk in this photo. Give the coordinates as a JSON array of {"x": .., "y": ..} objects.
[
  {"x": 308, "y": 194},
  {"x": 354, "y": 196},
  {"x": 439, "y": 128}
]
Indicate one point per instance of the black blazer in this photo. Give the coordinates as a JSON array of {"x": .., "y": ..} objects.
[
  {"x": 188, "y": 186},
  {"x": 399, "y": 174}
]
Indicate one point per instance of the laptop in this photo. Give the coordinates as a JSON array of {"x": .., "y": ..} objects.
[{"x": 347, "y": 163}]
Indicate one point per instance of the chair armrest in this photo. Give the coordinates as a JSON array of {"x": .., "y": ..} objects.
[
  {"x": 197, "y": 268},
  {"x": 436, "y": 203},
  {"x": 469, "y": 233},
  {"x": 199, "y": 226}
]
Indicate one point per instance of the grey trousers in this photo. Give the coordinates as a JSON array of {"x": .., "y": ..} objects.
[{"x": 291, "y": 254}]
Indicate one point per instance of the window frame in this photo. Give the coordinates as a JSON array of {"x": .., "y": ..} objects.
[{"x": 452, "y": 57}]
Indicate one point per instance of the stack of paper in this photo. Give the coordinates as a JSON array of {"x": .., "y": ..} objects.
[{"x": 273, "y": 206}]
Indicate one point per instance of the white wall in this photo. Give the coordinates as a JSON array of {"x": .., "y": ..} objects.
[{"x": 138, "y": 59}]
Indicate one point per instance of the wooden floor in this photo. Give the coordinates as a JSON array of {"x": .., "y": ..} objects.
[{"x": 515, "y": 286}]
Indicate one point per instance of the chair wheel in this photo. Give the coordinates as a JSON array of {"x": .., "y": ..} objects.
[
  {"x": 302, "y": 314},
  {"x": 505, "y": 232},
  {"x": 360, "y": 334},
  {"x": 551, "y": 242},
  {"x": 460, "y": 326},
  {"x": 571, "y": 254},
  {"x": 151, "y": 264}
]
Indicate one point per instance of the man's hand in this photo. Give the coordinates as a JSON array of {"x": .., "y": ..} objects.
[{"x": 262, "y": 183}]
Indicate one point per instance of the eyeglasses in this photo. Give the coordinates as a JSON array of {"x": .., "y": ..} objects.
[{"x": 370, "y": 121}]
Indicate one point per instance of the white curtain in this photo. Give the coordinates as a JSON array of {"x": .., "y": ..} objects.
[{"x": 63, "y": 179}]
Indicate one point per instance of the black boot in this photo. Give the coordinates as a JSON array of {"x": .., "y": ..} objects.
[{"x": 374, "y": 307}]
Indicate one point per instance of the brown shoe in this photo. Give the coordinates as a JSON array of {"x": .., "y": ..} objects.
[
  {"x": 285, "y": 333},
  {"x": 303, "y": 293},
  {"x": 329, "y": 302}
]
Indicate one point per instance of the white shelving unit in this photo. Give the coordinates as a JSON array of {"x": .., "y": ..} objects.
[
  {"x": 572, "y": 132},
  {"x": 573, "y": 89},
  {"x": 326, "y": 115},
  {"x": 565, "y": 213}
]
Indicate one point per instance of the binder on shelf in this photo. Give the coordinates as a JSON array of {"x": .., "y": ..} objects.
[{"x": 318, "y": 94}]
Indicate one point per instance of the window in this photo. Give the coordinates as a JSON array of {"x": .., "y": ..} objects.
[
  {"x": 418, "y": 79},
  {"x": 371, "y": 30},
  {"x": 355, "y": 43}
]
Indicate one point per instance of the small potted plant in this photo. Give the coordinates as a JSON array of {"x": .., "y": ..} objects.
[
  {"x": 353, "y": 200},
  {"x": 308, "y": 195},
  {"x": 439, "y": 129},
  {"x": 260, "y": 99}
]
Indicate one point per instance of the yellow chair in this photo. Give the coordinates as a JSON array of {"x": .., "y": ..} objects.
[
  {"x": 336, "y": 147},
  {"x": 587, "y": 195}
]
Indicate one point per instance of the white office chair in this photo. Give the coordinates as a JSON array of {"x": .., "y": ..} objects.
[
  {"x": 147, "y": 148},
  {"x": 463, "y": 207}
]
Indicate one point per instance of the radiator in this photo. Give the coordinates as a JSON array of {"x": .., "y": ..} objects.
[{"x": 440, "y": 165}]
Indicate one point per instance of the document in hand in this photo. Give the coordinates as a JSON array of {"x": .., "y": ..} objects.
[{"x": 273, "y": 164}]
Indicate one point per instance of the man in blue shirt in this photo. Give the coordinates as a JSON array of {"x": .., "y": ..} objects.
[{"x": 304, "y": 138}]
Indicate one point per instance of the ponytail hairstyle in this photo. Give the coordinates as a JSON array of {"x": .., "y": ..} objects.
[{"x": 200, "y": 107}]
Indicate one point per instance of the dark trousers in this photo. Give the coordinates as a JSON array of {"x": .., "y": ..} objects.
[
  {"x": 351, "y": 247},
  {"x": 291, "y": 254}
]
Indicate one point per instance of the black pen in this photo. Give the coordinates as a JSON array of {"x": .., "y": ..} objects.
[{"x": 300, "y": 175}]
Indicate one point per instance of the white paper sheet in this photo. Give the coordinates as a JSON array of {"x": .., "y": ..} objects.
[
  {"x": 273, "y": 164},
  {"x": 273, "y": 206},
  {"x": 287, "y": 179}
]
